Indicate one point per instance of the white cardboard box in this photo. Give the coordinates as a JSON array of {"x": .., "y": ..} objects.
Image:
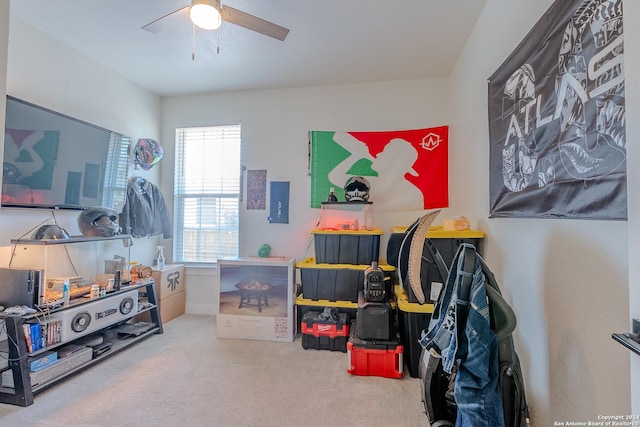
[{"x": 264, "y": 315}]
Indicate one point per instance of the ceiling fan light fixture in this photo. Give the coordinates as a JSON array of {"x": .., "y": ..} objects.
[{"x": 205, "y": 14}]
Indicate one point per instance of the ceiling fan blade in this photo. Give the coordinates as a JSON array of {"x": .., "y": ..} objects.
[
  {"x": 169, "y": 21},
  {"x": 253, "y": 23}
]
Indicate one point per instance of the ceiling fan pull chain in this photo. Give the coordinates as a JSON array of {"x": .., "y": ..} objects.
[
  {"x": 218, "y": 30},
  {"x": 193, "y": 42}
]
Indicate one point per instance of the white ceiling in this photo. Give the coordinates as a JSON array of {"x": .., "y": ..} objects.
[{"x": 330, "y": 41}]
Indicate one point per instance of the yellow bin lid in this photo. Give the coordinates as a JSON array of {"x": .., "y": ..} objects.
[
  {"x": 438, "y": 232},
  {"x": 311, "y": 263},
  {"x": 373, "y": 231},
  {"x": 410, "y": 307}
]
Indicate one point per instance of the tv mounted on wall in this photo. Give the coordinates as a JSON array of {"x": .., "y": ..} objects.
[{"x": 53, "y": 161}]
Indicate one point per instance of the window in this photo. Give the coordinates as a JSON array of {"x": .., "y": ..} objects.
[
  {"x": 115, "y": 180},
  {"x": 206, "y": 193}
]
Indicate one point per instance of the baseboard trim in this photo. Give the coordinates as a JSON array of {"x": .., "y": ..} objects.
[{"x": 207, "y": 309}]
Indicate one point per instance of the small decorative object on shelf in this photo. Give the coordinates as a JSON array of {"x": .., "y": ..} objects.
[
  {"x": 264, "y": 251},
  {"x": 65, "y": 292},
  {"x": 160, "y": 259},
  {"x": 332, "y": 196}
]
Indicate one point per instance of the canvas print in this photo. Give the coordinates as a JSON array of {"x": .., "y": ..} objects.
[{"x": 256, "y": 189}]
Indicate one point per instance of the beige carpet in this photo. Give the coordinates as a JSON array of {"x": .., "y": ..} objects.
[{"x": 188, "y": 377}]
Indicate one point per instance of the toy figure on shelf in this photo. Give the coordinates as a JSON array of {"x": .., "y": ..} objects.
[{"x": 332, "y": 196}]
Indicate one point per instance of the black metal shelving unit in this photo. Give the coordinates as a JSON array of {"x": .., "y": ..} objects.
[{"x": 21, "y": 394}]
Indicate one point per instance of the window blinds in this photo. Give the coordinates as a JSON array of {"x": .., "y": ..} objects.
[{"x": 207, "y": 193}]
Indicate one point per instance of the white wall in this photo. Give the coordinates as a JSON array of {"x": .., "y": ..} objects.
[
  {"x": 42, "y": 71},
  {"x": 632, "y": 90},
  {"x": 275, "y": 126},
  {"x": 566, "y": 279}
]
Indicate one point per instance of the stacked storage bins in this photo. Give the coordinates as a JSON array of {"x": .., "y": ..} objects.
[
  {"x": 345, "y": 246},
  {"x": 414, "y": 317}
]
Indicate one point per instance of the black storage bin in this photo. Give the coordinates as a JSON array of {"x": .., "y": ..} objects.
[
  {"x": 346, "y": 247},
  {"x": 335, "y": 282},
  {"x": 412, "y": 320},
  {"x": 410, "y": 326},
  {"x": 447, "y": 243},
  {"x": 323, "y": 342}
]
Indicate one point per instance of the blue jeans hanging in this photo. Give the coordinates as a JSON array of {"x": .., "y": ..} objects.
[{"x": 476, "y": 388}]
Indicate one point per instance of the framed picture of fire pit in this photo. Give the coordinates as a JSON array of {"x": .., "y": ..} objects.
[{"x": 256, "y": 298}]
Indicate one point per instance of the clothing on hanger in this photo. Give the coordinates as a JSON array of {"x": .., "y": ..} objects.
[{"x": 145, "y": 211}]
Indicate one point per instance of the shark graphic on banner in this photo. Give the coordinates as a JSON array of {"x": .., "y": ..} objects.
[{"x": 407, "y": 169}]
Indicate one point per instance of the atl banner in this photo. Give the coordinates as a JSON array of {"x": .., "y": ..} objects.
[
  {"x": 557, "y": 117},
  {"x": 406, "y": 169}
]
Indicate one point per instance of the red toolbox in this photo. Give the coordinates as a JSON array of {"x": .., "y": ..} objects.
[
  {"x": 324, "y": 334},
  {"x": 374, "y": 358}
]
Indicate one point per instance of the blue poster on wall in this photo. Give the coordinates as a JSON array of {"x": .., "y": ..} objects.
[{"x": 279, "y": 203}]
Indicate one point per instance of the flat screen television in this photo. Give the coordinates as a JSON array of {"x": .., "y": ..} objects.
[{"x": 53, "y": 161}]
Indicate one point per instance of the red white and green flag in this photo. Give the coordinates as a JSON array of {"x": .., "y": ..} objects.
[{"x": 406, "y": 169}]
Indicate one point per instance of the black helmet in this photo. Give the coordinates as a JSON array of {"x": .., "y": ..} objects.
[
  {"x": 50, "y": 232},
  {"x": 98, "y": 221},
  {"x": 356, "y": 189}
]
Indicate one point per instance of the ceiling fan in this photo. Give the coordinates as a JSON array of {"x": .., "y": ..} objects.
[{"x": 209, "y": 14}]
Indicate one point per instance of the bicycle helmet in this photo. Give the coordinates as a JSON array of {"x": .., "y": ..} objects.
[
  {"x": 147, "y": 153},
  {"x": 356, "y": 189},
  {"x": 98, "y": 221},
  {"x": 50, "y": 232}
]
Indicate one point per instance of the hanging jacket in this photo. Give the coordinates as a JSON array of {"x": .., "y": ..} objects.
[
  {"x": 476, "y": 388},
  {"x": 461, "y": 334},
  {"x": 145, "y": 212}
]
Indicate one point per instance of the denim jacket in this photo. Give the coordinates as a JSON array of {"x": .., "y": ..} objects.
[
  {"x": 476, "y": 389},
  {"x": 440, "y": 339}
]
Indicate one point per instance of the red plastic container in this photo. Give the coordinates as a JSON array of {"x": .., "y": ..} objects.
[
  {"x": 379, "y": 363},
  {"x": 374, "y": 358}
]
